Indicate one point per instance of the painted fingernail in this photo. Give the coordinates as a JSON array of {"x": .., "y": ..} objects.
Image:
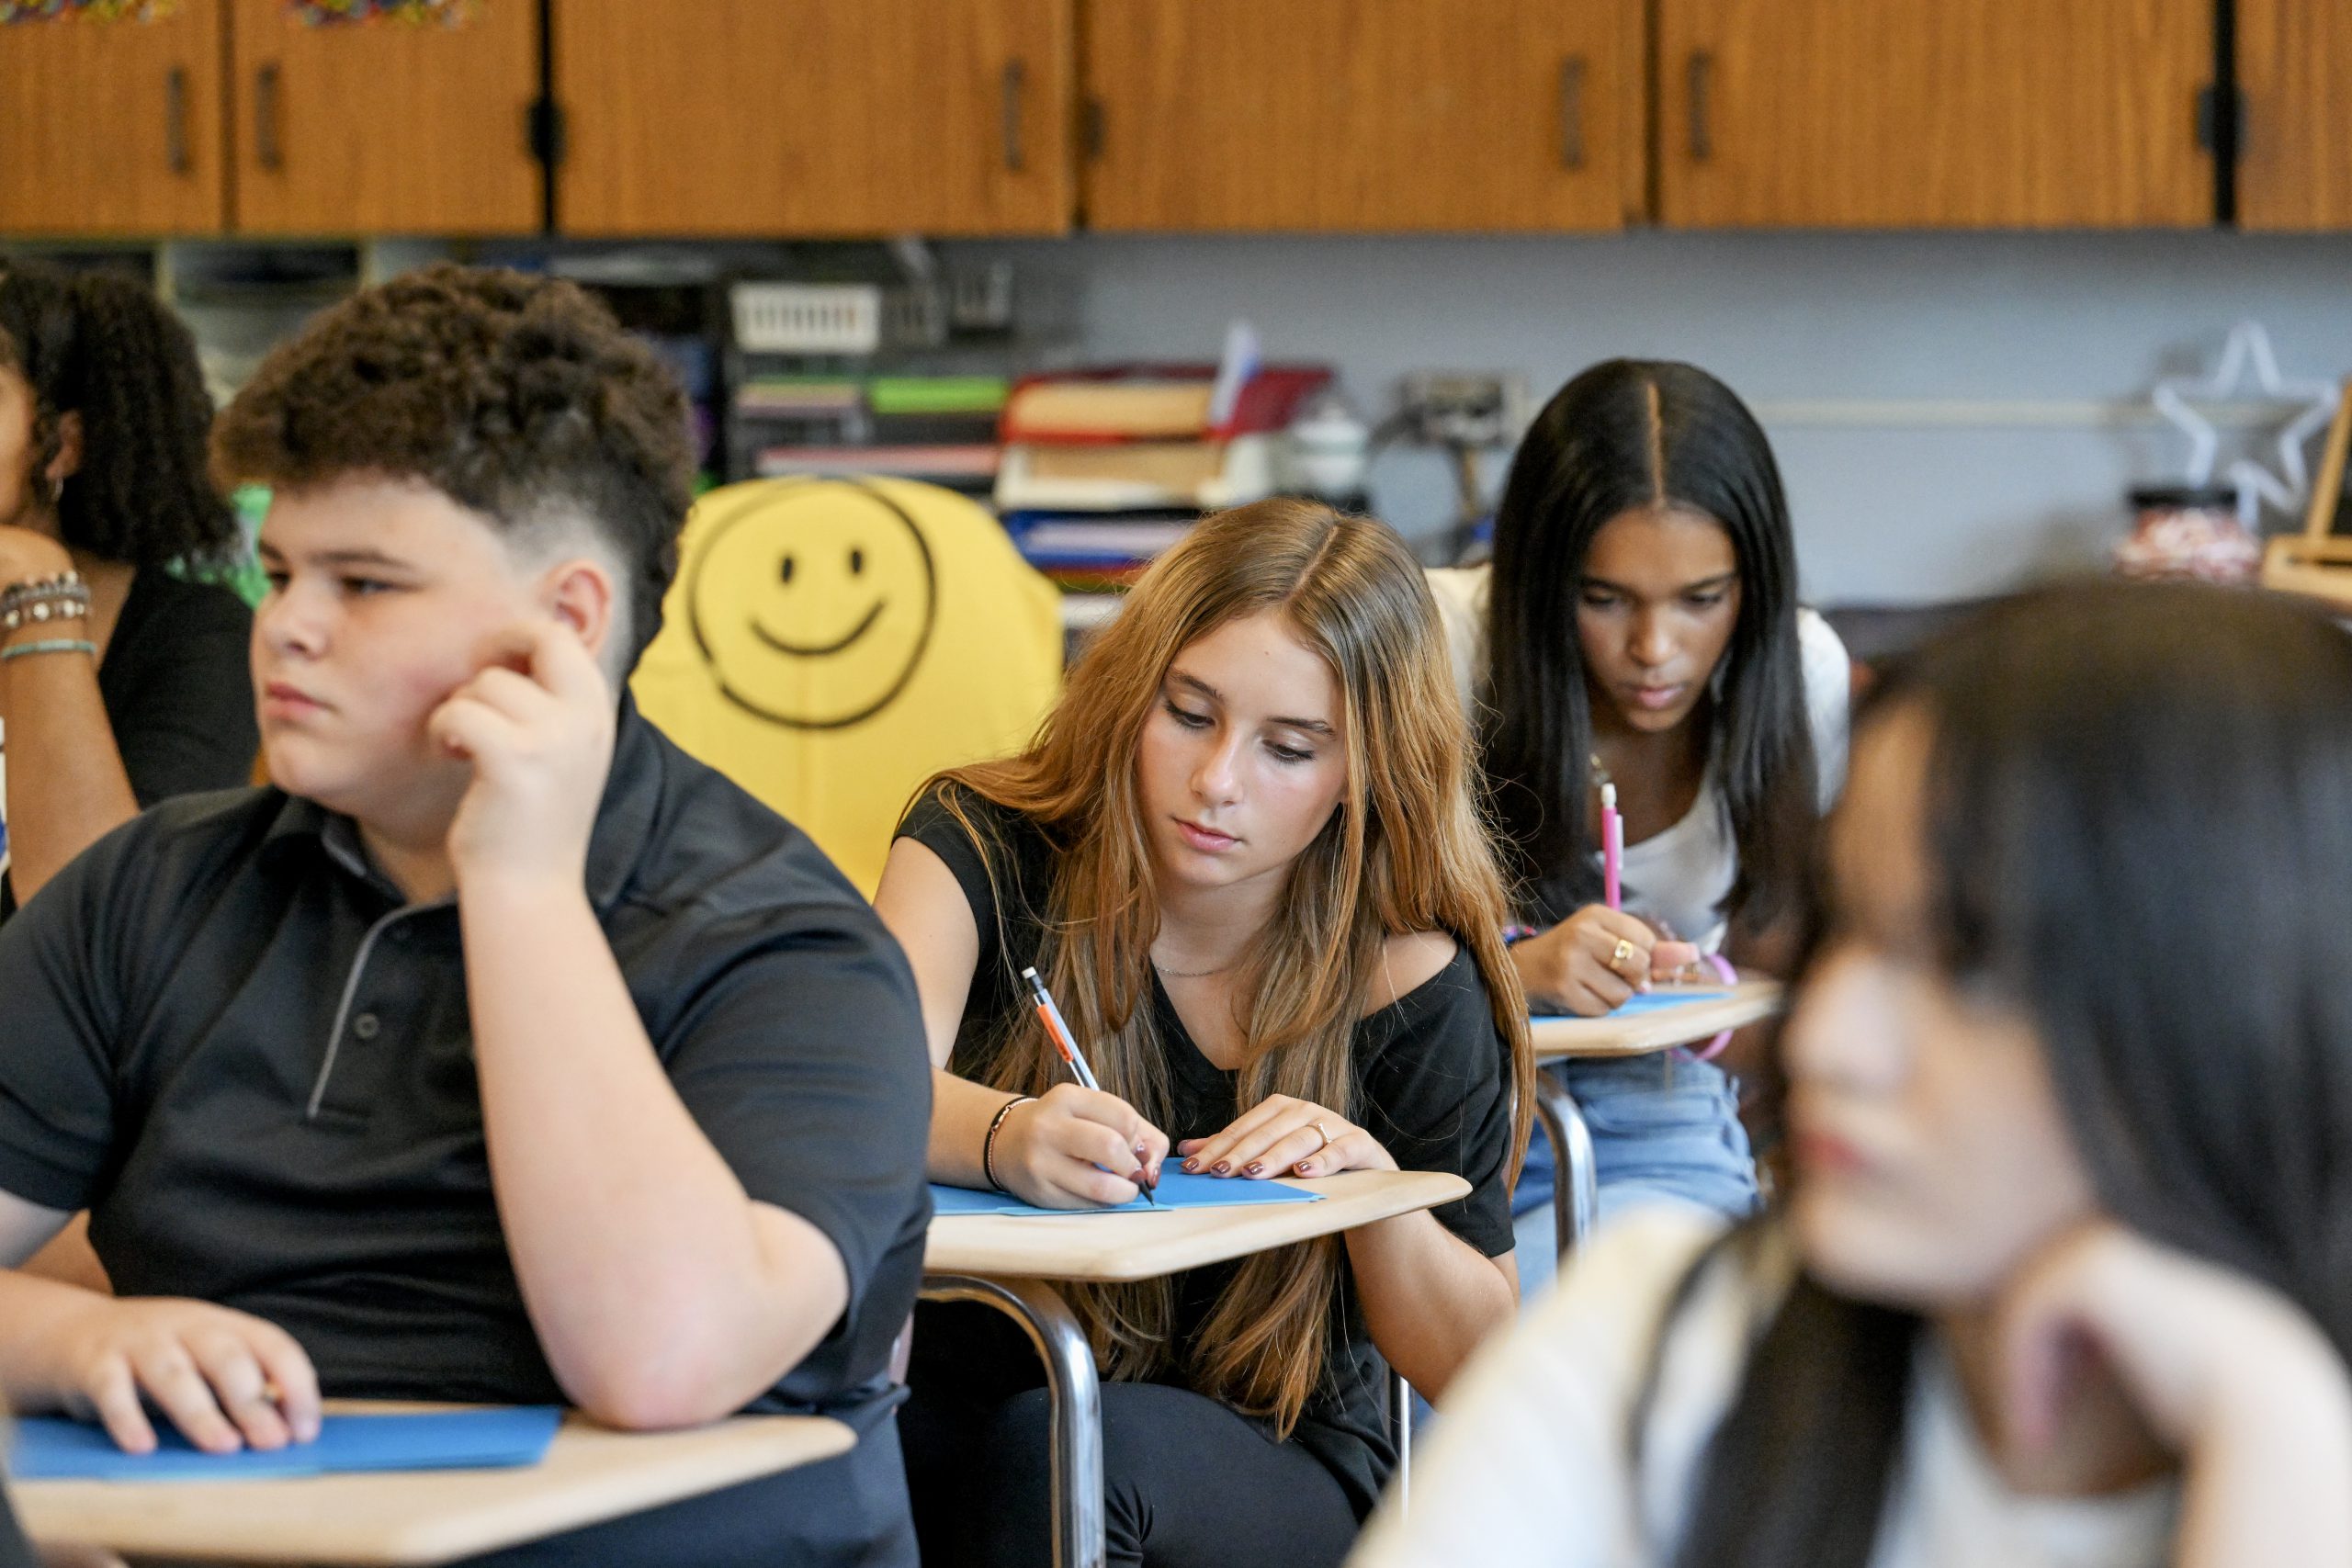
[
  {"x": 1139, "y": 1179},
  {"x": 1225, "y": 1168},
  {"x": 1191, "y": 1165},
  {"x": 1255, "y": 1168},
  {"x": 1306, "y": 1167}
]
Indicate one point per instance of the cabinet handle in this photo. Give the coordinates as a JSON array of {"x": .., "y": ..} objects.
[
  {"x": 1701, "y": 83},
  {"x": 266, "y": 146},
  {"x": 1016, "y": 75},
  {"x": 1572, "y": 112},
  {"x": 176, "y": 121}
]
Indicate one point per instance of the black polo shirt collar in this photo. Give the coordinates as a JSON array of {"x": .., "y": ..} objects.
[{"x": 625, "y": 820}]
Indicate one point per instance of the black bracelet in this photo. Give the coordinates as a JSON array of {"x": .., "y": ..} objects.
[{"x": 988, "y": 1145}]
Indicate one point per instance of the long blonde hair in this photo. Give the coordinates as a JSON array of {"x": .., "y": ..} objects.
[{"x": 1405, "y": 852}]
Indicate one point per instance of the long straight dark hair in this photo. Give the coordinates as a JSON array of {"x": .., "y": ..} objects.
[
  {"x": 2139, "y": 830},
  {"x": 1631, "y": 434}
]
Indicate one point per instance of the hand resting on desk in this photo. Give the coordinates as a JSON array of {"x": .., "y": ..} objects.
[{"x": 225, "y": 1378}]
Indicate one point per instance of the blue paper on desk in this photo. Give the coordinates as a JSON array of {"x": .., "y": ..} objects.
[
  {"x": 1176, "y": 1190},
  {"x": 49, "y": 1449},
  {"x": 1638, "y": 1003}
]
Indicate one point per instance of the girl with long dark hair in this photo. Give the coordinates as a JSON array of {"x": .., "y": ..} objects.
[
  {"x": 119, "y": 683},
  {"x": 1639, "y": 626},
  {"x": 1245, "y": 855},
  {"x": 2066, "y": 1277}
]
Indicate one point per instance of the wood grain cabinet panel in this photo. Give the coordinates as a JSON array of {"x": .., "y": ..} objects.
[
  {"x": 1362, "y": 114},
  {"x": 112, "y": 128},
  {"x": 1934, "y": 113},
  {"x": 386, "y": 128},
  {"x": 2295, "y": 65},
  {"x": 814, "y": 116}
]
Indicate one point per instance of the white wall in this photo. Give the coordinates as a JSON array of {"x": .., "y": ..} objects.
[{"x": 2015, "y": 363}]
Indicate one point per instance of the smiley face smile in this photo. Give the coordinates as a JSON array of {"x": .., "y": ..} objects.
[{"x": 819, "y": 650}]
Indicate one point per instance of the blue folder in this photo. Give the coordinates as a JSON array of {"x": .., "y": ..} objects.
[
  {"x": 1176, "y": 1190},
  {"x": 1638, "y": 1003},
  {"x": 49, "y": 1449}
]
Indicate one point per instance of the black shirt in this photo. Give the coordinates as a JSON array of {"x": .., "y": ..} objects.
[
  {"x": 177, "y": 690},
  {"x": 178, "y": 687},
  {"x": 16, "y": 1551},
  {"x": 1432, "y": 1083},
  {"x": 227, "y": 1037}
]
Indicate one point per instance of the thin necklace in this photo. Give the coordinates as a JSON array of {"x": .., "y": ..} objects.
[{"x": 1191, "y": 973}]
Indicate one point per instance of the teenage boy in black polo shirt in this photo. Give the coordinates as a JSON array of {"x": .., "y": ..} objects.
[{"x": 501, "y": 1052}]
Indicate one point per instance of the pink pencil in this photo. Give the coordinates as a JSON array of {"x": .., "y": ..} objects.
[{"x": 1612, "y": 846}]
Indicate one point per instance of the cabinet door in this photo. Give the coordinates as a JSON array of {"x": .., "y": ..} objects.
[
  {"x": 2295, "y": 65},
  {"x": 386, "y": 126},
  {"x": 1934, "y": 113},
  {"x": 1362, "y": 114},
  {"x": 814, "y": 116},
  {"x": 112, "y": 128}
]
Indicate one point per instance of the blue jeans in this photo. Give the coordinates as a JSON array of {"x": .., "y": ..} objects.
[{"x": 1664, "y": 1129}]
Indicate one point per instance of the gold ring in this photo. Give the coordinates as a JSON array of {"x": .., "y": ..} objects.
[
  {"x": 1624, "y": 951},
  {"x": 1325, "y": 1134}
]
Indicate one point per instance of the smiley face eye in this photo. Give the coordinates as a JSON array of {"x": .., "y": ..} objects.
[
  {"x": 856, "y": 562},
  {"x": 786, "y": 572}
]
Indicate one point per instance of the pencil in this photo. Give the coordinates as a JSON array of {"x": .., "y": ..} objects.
[
  {"x": 1612, "y": 847},
  {"x": 1057, "y": 1030}
]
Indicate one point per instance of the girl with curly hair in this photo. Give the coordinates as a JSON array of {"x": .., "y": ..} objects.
[{"x": 119, "y": 683}]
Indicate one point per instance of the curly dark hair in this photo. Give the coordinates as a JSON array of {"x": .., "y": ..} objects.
[
  {"x": 516, "y": 396},
  {"x": 106, "y": 349}
]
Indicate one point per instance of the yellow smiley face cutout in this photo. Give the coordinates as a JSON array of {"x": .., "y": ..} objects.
[{"x": 813, "y": 602}]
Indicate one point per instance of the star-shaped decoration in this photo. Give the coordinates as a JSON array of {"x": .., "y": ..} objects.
[{"x": 2248, "y": 349}]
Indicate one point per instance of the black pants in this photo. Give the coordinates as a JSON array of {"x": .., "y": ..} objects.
[{"x": 1187, "y": 1482}]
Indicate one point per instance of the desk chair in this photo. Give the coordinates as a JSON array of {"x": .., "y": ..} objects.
[{"x": 830, "y": 644}]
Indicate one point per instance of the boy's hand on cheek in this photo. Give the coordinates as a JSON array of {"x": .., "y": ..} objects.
[{"x": 539, "y": 729}]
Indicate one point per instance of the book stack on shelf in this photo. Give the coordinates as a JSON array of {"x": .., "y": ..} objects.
[
  {"x": 939, "y": 429},
  {"x": 903, "y": 380},
  {"x": 1104, "y": 468}
]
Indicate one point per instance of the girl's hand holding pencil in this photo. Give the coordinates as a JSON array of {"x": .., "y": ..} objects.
[
  {"x": 1595, "y": 958},
  {"x": 1076, "y": 1144},
  {"x": 1077, "y": 1148}
]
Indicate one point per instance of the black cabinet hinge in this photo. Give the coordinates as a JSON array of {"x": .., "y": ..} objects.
[
  {"x": 2221, "y": 118},
  {"x": 543, "y": 130}
]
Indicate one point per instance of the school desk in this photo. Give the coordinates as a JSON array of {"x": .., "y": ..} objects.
[
  {"x": 591, "y": 1474},
  {"x": 1014, "y": 1265},
  {"x": 1576, "y": 1193}
]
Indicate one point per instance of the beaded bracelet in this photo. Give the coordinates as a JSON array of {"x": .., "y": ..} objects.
[
  {"x": 988, "y": 1145},
  {"x": 64, "y": 597},
  {"x": 47, "y": 645}
]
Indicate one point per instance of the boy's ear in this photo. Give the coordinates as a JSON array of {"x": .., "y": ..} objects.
[{"x": 579, "y": 593}]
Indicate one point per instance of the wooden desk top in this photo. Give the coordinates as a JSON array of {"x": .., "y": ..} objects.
[
  {"x": 1145, "y": 1245},
  {"x": 1558, "y": 1038},
  {"x": 591, "y": 1474}
]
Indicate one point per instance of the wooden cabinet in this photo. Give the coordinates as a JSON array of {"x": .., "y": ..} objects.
[
  {"x": 385, "y": 128},
  {"x": 1934, "y": 113},
  {"x": 2295, "y": 67},
  {"x": 1362, "y": 114},
  {"x": 112, "y": 128},
  {"x": 814, "y": 116}
]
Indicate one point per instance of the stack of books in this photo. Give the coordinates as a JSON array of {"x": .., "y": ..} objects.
[
  {"x": 939, "y": 429},
  {"x": 1104, "y": 468}
]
